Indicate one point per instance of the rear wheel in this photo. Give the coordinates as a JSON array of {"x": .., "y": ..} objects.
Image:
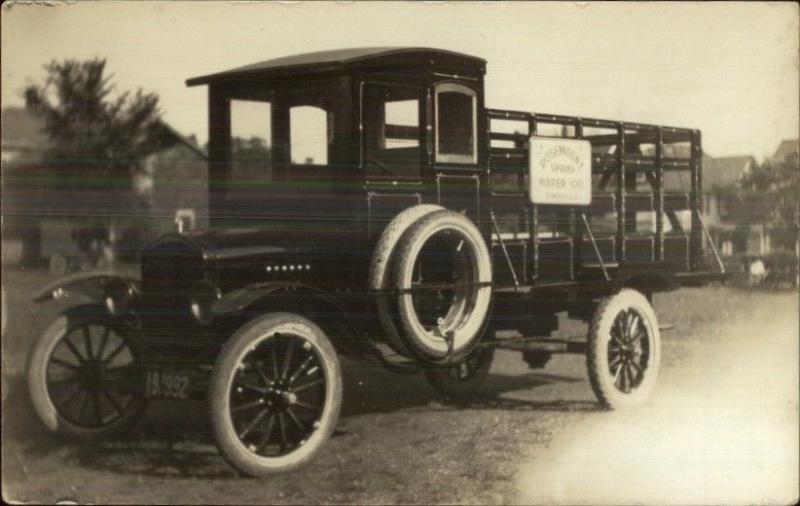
[
  {"x": 275, "y": 396},
  {"x": 83, "y": 375},
  {"x": 624, "y": 350},
  {"x": 460, "y": 382}
]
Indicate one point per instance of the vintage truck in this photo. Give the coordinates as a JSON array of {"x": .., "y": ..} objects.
[{"x": 365, "y": 202}]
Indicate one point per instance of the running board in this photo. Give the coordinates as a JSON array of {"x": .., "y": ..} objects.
[
  {"x": 572, "y": 345},
  {"x": 575, "y": 345},
  {"x": 393, "y": 361},
  {"x": 538, "y": 344}
]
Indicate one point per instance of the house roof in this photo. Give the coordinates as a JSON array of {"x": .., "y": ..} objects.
[
  {"x": 347, "y": 59},
  {"x": 171, "y": 137},
  {"x": 726, "y": 170},
  {"x": 717, "y": 173},
  {"x": 24, "y": 130},
  {"x": 786, "y": 148}
]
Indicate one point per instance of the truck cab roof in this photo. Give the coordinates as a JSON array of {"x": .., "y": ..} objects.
[{"x": 346, "y": 60}]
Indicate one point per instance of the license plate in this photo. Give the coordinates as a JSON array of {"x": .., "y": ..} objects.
[{"x": 166, "y": 383}]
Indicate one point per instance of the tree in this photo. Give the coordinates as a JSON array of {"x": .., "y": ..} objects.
[
  {"x": 772, "y": 196},
  {"x": 97, "y": 139},
  {"x": 779, "y": 180},
  {"x": 251, "y": 158},
  {"x": 251, "y": 167}
]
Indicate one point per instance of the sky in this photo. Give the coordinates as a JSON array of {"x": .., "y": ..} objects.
[{"x": 729, "y": 69}]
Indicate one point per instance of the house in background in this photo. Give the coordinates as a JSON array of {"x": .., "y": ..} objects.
[
  {"x": 173, "y": 182},
  {"x": 723, "y": 214},
  {"x": 720, "y": 175},
  {"x": 23, "y": 138},
  {"x": 786, "y": 149}
]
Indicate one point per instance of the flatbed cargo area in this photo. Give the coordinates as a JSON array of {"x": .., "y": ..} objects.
[{"x": 645, "y": 196}]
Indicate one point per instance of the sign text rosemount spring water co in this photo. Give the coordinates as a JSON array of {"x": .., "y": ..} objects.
[{"x": 560, "y": 171}]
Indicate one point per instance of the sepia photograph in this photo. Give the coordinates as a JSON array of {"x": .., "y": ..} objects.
[{"x": 450, "y": 252}]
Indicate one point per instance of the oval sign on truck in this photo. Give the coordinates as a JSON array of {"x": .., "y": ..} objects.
[{"x": 560, "y": 171}]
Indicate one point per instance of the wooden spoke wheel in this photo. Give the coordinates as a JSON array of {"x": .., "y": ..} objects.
[
  {"x": 84, "y": 376},
  {"x": 275, "y": 394},
  {"x": 624, "y": 350}
]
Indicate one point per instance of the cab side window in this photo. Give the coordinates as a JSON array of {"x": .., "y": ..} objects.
[
  {"x": 251, "y": 140},
  {"x": 391, "y": 117},
  {"x": 308, "y": 135},
  {"x": 456, "y": 123}
]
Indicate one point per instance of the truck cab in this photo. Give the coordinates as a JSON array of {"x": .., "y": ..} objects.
[{"x": 344, "y": 140}]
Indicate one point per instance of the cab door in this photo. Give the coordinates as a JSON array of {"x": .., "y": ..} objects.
[
  {"x": 312, "y": 163},
  {"x": 458, "y": 173},
  {"x": 393, "y": 150}
]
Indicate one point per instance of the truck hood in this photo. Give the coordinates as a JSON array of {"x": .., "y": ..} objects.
[
  {"x": 236, "y": 257},
  {"x": 234, "y": 246}
]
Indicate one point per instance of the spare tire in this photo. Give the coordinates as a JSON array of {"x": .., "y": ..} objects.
[
  {"x": 379, "y": 278},
  {"x": 379, "y": 275},
  {"x": 442, "y": 272}
]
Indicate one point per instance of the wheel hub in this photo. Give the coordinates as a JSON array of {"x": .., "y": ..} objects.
[
  {"x": 92, "y": 374},
  {"x": 628, "y": 353},
  {"x": 279, "y": 397}
]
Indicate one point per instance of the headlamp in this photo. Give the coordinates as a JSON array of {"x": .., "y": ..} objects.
[
  {"x": 203, "y": 296},
  {"x": 119, "y": 296}
]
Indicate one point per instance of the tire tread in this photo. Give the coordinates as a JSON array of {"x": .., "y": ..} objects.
[
  {"x": 218, "y": 378},
  {"x": 595, "y": 363},
  {"x": 408, "y": 243}
]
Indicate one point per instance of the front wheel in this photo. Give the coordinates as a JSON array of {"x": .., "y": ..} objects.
[
  {"x": 275, "y": 396},
  {"x": 624, "y": 350},
  {"x": 83, "y": 375}
]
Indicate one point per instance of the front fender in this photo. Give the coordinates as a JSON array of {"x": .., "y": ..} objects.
[
  {"x": 94, "y": 284},
  {"x": 320, "y": 306},
  {"x": 242, "y": 298}
]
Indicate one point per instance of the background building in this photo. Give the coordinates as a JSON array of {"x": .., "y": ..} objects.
[{"x": 41, "y": 220}]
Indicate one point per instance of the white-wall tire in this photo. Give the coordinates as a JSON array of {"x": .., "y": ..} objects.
[
  {"x": 624, "y": 350},
  {"x": 251, "y": 421},
  {"x": 64, "y": 387},
  {"x": 380, "y": 278},
  {"x": 448, "y": 237}
]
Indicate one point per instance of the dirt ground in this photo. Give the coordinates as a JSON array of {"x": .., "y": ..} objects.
[{"x": 722, "y": 428}]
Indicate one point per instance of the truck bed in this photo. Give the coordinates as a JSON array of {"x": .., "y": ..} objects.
[{"x": 644, "y": 215}]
